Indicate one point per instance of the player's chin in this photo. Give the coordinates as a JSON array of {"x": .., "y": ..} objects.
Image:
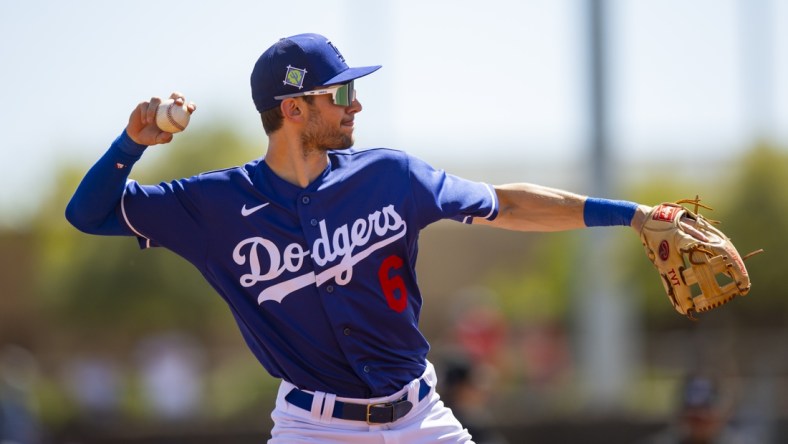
[
  {"x": 347, "y": 136},
  {"x": 344, "y": 143}
]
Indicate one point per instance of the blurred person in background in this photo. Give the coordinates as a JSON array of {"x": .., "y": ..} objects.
[{"x": 702, "y": 417}]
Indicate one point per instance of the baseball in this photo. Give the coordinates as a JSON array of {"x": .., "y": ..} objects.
[{"x": 172, "y": 118}]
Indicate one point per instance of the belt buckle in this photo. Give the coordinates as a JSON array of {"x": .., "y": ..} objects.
[{"x": 369, "y": 406}]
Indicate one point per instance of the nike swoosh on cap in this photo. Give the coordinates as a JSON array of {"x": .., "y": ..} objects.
[{"x": 247, "y": 211}]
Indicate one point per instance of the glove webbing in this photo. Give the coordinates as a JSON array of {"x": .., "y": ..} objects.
[{"x": 706, "y": 278}]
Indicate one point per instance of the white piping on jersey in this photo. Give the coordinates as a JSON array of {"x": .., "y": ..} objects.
[
  {"x": 126, "y": 218},
  {"x": 491, "y": 189},
  {"x": 494, "y": 196}
]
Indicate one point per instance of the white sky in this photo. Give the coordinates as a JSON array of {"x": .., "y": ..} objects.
[{"x": 495, "y": 82}]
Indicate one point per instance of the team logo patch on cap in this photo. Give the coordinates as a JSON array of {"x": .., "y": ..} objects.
[{"x": 295, "y": 77}]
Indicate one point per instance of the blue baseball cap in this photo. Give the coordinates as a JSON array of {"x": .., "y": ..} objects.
[{"x": 300, "y": 63}]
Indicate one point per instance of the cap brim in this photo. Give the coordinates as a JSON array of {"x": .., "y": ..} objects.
[{"x": 351, "y": 74}]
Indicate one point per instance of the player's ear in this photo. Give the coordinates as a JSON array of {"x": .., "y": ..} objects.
[{"x": 291, "y": 109}]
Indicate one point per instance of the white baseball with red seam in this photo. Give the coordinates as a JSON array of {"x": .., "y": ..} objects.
[{"x": 171, "y": 117}]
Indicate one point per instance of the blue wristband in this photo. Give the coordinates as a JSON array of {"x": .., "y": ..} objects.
[{"x": 605, "y": 212}]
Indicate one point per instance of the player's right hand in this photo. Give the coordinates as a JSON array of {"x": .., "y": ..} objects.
[{"x": 142, "y": 127}]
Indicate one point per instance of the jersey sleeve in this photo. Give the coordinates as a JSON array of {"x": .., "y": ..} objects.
[
  {"x": 107, "y": 203},
  {"x": 167, "y": 214},
  {"x": 440, "y": 195},
  {"x": 92, "y": 208}
]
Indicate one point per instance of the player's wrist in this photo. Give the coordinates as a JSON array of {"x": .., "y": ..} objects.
[
  {"x": 129, "y": 146},
  {"x": 599, "y": 212},
  {"x": 640, "y": 216}
]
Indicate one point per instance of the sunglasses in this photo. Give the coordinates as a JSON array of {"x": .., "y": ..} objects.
[{"x": 342, "y": 95}]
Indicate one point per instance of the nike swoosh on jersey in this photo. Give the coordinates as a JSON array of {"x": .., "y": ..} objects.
[{"x": 247, "y": 211}]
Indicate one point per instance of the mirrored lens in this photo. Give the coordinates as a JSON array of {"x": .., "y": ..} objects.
[{"x": 345, "y": 94}]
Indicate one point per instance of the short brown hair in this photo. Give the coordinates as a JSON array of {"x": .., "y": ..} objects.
[{"x": 273, "y": 118}]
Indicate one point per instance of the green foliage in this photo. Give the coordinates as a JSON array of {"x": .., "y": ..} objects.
[
  {"x": 540, "y": 291},
  {"x": 237, "y": 385},
  {"x": 756, "y": 216}
]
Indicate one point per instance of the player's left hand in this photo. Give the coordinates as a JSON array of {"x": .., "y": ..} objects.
[
  {"x": 640, "y": 216},
  {"x": 142, "y": 126},
  {"x": 699, "y": 266}
]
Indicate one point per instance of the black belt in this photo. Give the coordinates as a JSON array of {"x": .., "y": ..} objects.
[{"x": 381, "y": 413}]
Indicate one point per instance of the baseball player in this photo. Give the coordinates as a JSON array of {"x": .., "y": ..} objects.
[{"x": 313, "y": 247}]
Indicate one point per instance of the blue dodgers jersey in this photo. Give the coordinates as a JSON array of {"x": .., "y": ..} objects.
[{"x": 321, "y": 280}]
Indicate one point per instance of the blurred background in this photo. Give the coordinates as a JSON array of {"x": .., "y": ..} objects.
[{"x": 563, "y": 337}]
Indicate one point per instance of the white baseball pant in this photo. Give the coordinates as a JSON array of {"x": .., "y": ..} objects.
[{"x": 429, "y": 421}]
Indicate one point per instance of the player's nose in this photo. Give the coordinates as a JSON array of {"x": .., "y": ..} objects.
[{"x": 354, "y": 107}]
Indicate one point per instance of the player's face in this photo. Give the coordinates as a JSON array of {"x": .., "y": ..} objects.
[{"x": 329, "y": 126}]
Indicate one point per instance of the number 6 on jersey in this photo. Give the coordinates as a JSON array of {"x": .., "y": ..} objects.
[{"x": 393, "y": 283}]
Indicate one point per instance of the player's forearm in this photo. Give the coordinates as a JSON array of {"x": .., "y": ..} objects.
[
  {"x": 529, "y": 207},
  {"x": 92, "y": 207}
]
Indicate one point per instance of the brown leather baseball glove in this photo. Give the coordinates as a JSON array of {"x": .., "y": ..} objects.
[{"x": 700, "y": 267}]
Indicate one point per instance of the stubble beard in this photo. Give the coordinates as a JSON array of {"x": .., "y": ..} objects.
[{"x": 319, "y": 138}]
